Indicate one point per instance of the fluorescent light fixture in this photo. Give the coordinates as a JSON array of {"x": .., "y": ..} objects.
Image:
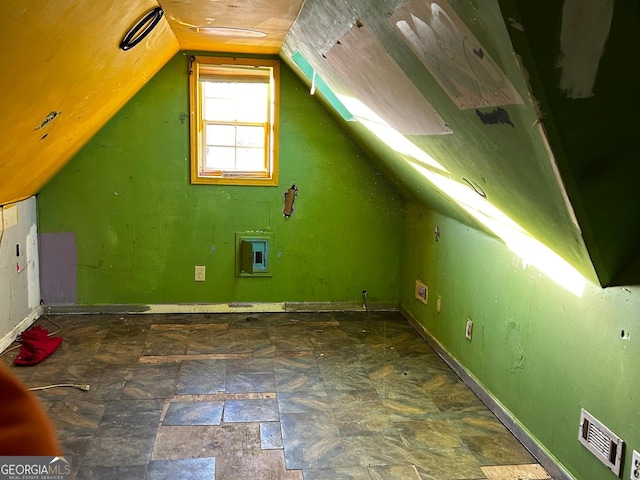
[{"x": 229, "y": 32}]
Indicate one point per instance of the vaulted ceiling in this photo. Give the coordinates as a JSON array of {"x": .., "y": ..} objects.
[{"x": 515, "y": 117}]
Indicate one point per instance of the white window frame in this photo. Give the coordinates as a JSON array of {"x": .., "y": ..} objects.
[{"x": 203, "y": 67}]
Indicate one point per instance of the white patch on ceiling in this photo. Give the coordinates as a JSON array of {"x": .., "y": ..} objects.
[
  {"x": 556, "y": 172},
  {"x": 361, "y": 62},
  {"x": 585, "y": 29},
  {"x": 453, "y": 55}
]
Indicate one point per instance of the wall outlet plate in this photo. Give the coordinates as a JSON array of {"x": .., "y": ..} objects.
[
  {"x": 469, "y": 330},
  {"x": 635, "y": 466},
  {"x": 422, "y": 291},
  {"x": 200, "y": 272}
]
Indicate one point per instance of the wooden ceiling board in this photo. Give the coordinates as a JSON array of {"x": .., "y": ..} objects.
[
  {"x": 62, "y": 60},
  {"x": 265, "y": 22}
]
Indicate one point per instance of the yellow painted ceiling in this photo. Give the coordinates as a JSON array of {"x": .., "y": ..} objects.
[
  {"x": 255, "y": 26},
  {"x": 63, "y": 74}
]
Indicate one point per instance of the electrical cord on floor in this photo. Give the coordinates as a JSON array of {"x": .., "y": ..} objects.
[{"x": 85, "y": 387}]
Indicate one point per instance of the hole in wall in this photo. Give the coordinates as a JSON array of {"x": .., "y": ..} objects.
[
  {"x": 44, "y": 136},
  {"x": 49, "y": 118},
  {"x": 476, "y": 188}
]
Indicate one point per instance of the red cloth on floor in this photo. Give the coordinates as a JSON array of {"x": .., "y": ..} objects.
[{"x": 36, "y": 346}]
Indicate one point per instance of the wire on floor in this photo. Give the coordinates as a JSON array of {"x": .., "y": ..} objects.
[{"x": 84, "y": 387}]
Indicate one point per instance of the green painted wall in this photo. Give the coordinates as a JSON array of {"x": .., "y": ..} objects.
[
  {"x": 543, "y": 352},
  {"x": 140, "y": 227}
]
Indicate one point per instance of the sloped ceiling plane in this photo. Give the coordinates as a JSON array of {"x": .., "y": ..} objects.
[{"x": 514, "y": 117}]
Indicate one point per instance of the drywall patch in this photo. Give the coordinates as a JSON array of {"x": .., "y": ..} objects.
[
  {"x": 584, "y": 32},
  {"x": 33, "y": 268},
  {"x": 495, "y": 117},
  {"x": 453, "y": 55},
  {"x": 556, "y": 172},
  {"x": 58, "y": 264},
  {"x": 514, "y": 346},
  {"x": 365, "y": 67},
  {"x": 9, "y": 216}
]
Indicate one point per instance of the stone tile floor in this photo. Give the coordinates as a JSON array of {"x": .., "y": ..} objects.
[{"x": 313, "y": 396}]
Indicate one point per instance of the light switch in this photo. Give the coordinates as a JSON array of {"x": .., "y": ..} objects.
[{"x": 200, "y": 271}]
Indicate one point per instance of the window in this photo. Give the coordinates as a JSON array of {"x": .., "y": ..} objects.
[{"x": 234, "y": 121}]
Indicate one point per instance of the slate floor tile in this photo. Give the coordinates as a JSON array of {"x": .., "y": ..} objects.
[
  {"x": 326, "y": 452},
  {"x": 395, "y": 472},
  {"x": 183, "y": 469},
  {"x": 305, "y": 426},
  {"x": 498, "y": 450},
  {"x": 113, "y": 451},
  {"x": 270, "y": 436},
  {"x": 253, "y": 410},
  {"x": 338, "y": 395},
  {"x": 144, "y": 389},
  {"x": 251, "y": 382},
  {"x": 194, "y": 413},
  {"x": 348, "y": 473},
  {"x": 304, "y": 402}
]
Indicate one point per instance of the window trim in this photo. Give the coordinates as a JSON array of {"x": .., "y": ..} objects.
[{"x": 200, "y": 64}]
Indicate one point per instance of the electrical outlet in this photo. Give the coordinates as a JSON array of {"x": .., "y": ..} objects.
[
  {"x": 422, "y": 291},
  {"x": 438, "y": 304},
  {"x": 635, "y": 466},
  {"x": 469, "y": 330},
  {"x": 200, "y": 271}
]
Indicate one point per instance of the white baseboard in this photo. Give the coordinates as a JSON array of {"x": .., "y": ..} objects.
[{"x": 25, "y": 323}]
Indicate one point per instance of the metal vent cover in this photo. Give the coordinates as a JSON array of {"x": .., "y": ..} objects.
[{"x": 600, "y": 441}]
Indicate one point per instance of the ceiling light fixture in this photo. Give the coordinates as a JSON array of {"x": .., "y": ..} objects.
[
  {"x": 142, "y": 28},
  {"x": 229, "y": 32}
]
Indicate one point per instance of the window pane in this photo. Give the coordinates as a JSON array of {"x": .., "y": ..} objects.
[
  {"x": 219, "y": 109},
  {"x": 221, "y": 135},
  {"x": 250, "y": 159},
  {"x": 242, "y": 102},
  {"x": 220, "y": 158},
  {"x": 249, "y": 136},
  {"x": 253, "y": 103}
]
